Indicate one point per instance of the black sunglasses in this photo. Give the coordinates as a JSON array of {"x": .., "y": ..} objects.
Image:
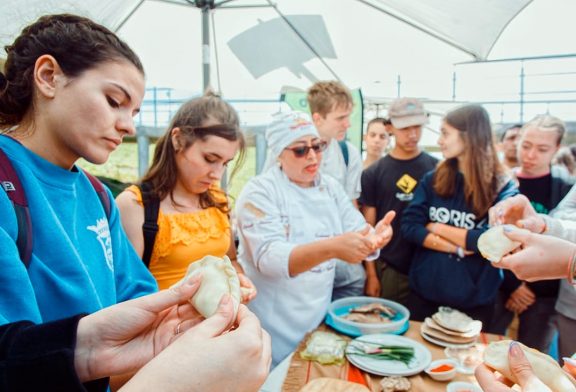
[{"x": 302, "y": 151}]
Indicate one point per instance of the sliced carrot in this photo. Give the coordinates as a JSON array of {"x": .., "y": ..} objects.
[{"x": 356, "y": 375}]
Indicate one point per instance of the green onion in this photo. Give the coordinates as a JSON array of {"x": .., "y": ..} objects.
[{"x": 403, "y": 354}]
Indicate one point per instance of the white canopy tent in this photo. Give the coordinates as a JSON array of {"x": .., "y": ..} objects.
[
  {"x": 256, "y": 48},
  {"x": 253, "y": 44}
]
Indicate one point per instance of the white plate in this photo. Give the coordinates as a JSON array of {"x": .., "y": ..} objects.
[
  {"x": 456, "y": 386},
  {"x": 445, "y": 344},
  {"x": 382, "y": 367}
]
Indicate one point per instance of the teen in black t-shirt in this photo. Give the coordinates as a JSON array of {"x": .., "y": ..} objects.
[{"x": 389, "y": 185}]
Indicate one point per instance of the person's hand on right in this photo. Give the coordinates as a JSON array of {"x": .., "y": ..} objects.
[
  {"x": 372, "y": 286},
  {"x": 520, "y": 368},
  {"x": 518, "y": 211},
  {"x": 207, "y": 358},
  {"x": 247, "y": 288},
  {"x": 520, "y": 299},
  {"x": 541, "y": 257}
]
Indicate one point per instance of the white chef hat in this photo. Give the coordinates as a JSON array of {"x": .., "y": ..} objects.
[{"x": 287, "y": 127}]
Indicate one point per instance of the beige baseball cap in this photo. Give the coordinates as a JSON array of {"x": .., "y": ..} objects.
[{"x": 407, "y": 112}]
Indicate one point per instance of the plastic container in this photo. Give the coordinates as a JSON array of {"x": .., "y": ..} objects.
[
  {"x": 341, "y": 307},
  {"x": 468, "y": 358},
  {"x": 445, "y": 375}
]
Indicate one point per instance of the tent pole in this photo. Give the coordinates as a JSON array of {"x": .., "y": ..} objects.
[
  {"x": 206, "y": 46},
  {"x": 522, "y": 77}
]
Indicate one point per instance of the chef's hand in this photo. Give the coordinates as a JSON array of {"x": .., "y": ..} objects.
[
  {"x": 355, "y": 246},
  {"x": 383, "y": 232}
]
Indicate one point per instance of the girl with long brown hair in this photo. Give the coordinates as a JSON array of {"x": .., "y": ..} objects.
[
  {"x": 448, "y": 214},
  {"x": 193, "y": 218}
]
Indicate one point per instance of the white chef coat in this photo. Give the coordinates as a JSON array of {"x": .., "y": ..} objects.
[{"x": 274, "y": 216}]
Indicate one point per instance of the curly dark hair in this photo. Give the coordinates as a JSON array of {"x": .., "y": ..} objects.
[{"x": 77, "y": 43}]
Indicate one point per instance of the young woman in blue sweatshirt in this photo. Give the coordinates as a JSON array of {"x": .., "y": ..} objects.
[
  {"x": 448, "y": 214},
  {"x": 69, "y": 90}
]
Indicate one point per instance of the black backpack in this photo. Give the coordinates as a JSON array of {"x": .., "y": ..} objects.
[
  {"x": 150, "y": 225},
  {"x": 16, "y": 193}
]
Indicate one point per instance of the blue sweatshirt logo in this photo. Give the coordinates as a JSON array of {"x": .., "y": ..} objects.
[
  {"x": 452, "y": 217},
  {"x": 103, "y": 236}
]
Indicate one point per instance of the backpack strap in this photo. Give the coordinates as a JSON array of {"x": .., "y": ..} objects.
[
  {"x": 150, "y": 225},
  {"x": 101, "y": 192},
  {"x": 15, "y": 192},
  {"x": 344, "y": 148}
]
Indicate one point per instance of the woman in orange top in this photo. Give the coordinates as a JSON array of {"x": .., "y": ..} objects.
[{"x": 193, "y": 219}]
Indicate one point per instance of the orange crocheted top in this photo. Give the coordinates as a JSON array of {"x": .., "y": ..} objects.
[{"x": 186, "y": 237}]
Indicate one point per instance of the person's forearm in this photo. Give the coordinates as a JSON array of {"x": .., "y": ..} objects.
[
  {"x": 560, "y": 228},
  {"x": 370, "y": 268},
  {"x": 155, "y": 377},
  {"x": 39, "y": 357},
  {"x": 237, "y": 266},
  {"x": 307, "y": 256},
  {"x": 453, "y": 234},
  {"x": 83, "y": 351},
  {"x": 232, "y": 251},
  {"x": 369, "y": 214},
  {"x": 439, "y": 244}
]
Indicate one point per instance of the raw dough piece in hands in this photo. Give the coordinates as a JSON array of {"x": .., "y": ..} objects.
[
  {"x": 493, "y": 243},
  {"x": 544, "y": 367},
  {"x": 218, "y": 278}
]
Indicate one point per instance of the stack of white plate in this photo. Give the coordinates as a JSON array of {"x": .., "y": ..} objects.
[{"x": 451, "y": 328}]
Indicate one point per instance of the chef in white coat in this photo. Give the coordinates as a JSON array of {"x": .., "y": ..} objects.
[{"x": 293, "y": 224}]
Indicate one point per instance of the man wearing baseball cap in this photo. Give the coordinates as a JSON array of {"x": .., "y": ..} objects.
[{"x": 389, "y": 185}]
